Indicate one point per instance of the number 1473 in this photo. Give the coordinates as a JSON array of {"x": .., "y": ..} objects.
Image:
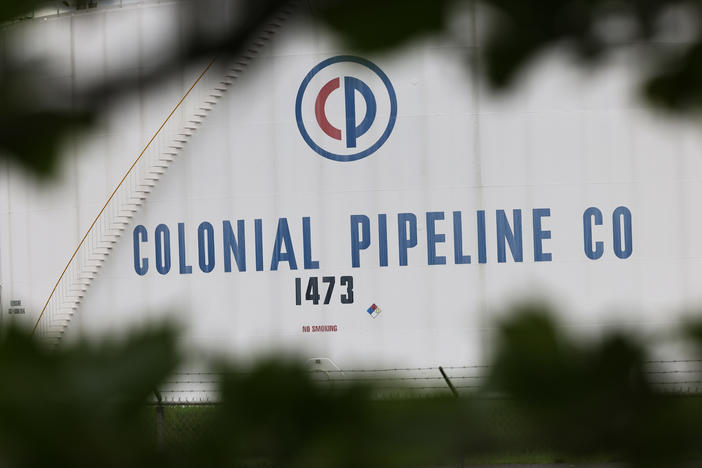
[{"x": 314, "y": 290}]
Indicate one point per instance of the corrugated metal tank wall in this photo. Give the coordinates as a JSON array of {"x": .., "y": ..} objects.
[
  {"x": 564, "y": 141},
  {"x": 42, "y": 222}
]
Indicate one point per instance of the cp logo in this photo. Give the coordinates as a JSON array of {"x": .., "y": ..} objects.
[{"x": 346, "y": 108}]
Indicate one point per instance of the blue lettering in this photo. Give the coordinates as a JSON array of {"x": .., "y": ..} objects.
[
  {"x": 405, "y": 242},
  {"x": 383, "y": 240},
  {"x": 258, "y": 231},
  {"x": 184, "y": 268},
  {"x": 360, "y": 240},
  {"x": 232, "y": 245},
  {"x": 351, "y": 85},
  {"x": 141, "y": 265},
  {"x": 590, "y": 215},
  {"x": 622, "y": 215},
  {"x": 307, "y": 246},
  {"x": 433, "y": 238},
  {"x": 540, "y": 235},
  {"x": 458, "y": 256},
  {"x": 163, "y": 249},
  {"x": 482, "y": 242},
  {"x": 283, "y": 239},
  {"x": 513, "y": 238},
  {"x": 207, "y": 258}
]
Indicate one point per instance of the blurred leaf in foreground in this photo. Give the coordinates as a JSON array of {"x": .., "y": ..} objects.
[
  {"x": 665, "y": 34},
  {"x": 80, "y": 405},
  {"x": 588, "y": 398},
  {"x": 547, "y": 392},
  {"x": 369, "y": 25}
]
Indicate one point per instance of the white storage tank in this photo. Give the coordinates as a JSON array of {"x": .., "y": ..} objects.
[{"x": 369, "y": 209}]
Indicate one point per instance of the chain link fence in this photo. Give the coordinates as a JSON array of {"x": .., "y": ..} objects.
[
  {"x": 183, "y": 403},
  {"x": 178, "y": 424}
]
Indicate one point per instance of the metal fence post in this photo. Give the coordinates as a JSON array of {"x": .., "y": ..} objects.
[
  {"x": 455, "y": 395},
  {"x": 448, "y": 382},
  {"x": 159, "y": 419}
]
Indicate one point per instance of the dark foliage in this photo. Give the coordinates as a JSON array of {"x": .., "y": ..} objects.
[
  {"x": 514, "y": 33},
  {"x": 82, "y": 405},
  {"x": 85, "y": 405}
]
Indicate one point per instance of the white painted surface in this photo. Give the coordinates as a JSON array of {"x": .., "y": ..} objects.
[{"x": 563, "y": 141}]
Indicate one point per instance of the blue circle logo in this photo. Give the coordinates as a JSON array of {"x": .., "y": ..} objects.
[{"x": 346, "y": 108}]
